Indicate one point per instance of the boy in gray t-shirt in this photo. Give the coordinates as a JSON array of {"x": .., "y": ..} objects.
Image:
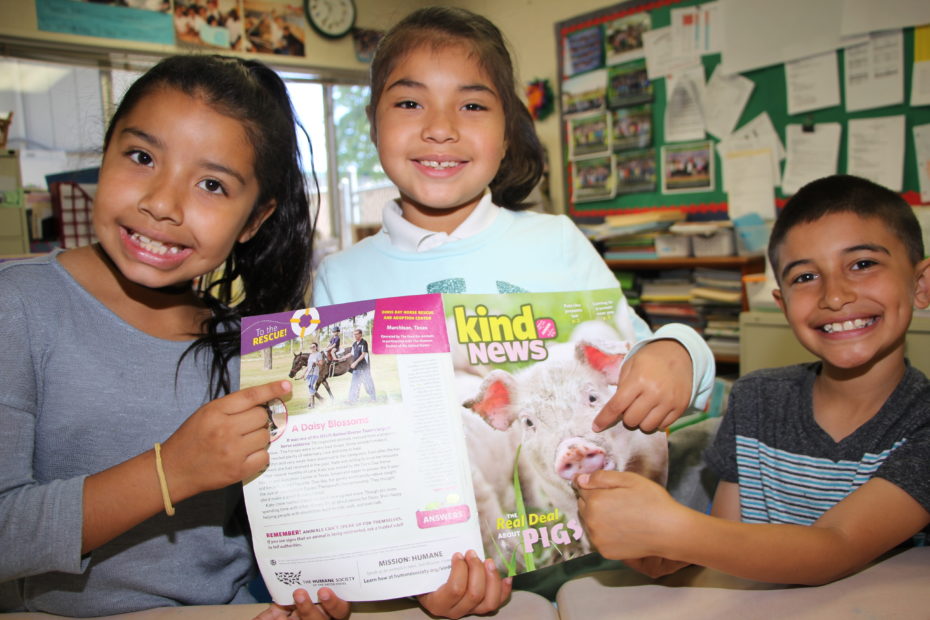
[{"x": 823, "y": 466}]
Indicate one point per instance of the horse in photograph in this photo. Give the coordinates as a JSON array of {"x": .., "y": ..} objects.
[{"x": 328, "y": 369}]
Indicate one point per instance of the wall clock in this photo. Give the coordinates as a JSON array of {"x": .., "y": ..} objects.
[{"x": 331, "y": 18}]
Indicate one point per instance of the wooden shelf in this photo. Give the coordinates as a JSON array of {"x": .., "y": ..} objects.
[{"x": 746, "y": 264}]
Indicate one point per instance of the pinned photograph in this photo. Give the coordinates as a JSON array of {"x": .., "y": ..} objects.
[
  {"x": 636, "y": 171},
  {"x": 589, "y": 135},
  {"x": 210, "y": 23},
  {"x": 593, "y": 179},
  {"x": 631, "y": 128},
  {"x": 623, "y": 38},
  {"x": 628, "y": 84},
  {"x": 274, "y": 27},
  {"x": 584, "y": 93},
  {"x": 583, "y": 51},
  {"x": 688, "y": 167}
]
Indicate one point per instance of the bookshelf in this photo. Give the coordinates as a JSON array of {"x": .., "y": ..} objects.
[{"x": 744, "y": 264}]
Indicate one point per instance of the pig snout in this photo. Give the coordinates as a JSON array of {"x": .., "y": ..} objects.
[{"x": 579, "y": 456}]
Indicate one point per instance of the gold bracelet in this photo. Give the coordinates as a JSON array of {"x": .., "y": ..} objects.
[{"x": 169, "y": 509}]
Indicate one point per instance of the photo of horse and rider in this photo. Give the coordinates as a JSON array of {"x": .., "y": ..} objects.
[
  {"x": 334, "y": 360},
  {"x": 331, "y": 366}
]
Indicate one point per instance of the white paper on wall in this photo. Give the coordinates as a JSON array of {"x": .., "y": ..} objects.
[
  {"x": 859, "y": 16},
  {"x": 922, "y": 147},
  {"x": 813, "y": 83},
  {"x": 748, "y": 183},
  {"x": 725, "y": 97},
  {"x": 761, "y": 33},
  {"x": 874, "y": 72},
  {"x": 684, "y": 106},
  {"x": 811, "y": 154},
  {"x": 876, "y": 150}
]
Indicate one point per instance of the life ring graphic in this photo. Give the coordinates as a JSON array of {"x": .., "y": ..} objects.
[{"x": 305, "y": 321}]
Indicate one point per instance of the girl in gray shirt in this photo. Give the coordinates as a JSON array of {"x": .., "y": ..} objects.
[{"x": 122, "y": 440}]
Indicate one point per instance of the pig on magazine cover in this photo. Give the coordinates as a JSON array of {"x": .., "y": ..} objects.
[{"x": 544, "y": 412}]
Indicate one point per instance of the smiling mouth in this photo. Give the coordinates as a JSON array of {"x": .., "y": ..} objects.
[
  {"x": 438, "y": 165},
  {"x": 153, "y": 246},
  {"x": 845, "y": 326}
]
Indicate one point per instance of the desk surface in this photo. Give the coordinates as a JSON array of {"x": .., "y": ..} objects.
[
  {"x": 894, "y": 588},
  {"x": 522, "y": 606}
]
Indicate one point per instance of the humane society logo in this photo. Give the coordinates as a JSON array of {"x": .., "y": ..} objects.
[{"x": 499, "y": 338}]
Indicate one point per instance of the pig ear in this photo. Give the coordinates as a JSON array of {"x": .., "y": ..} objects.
[
  {"x": 494, "y": 401},
  {"x": 605, "y": 362}
]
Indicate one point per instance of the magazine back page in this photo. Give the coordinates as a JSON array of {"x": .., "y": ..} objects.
[{"x": 368, "y": 489}]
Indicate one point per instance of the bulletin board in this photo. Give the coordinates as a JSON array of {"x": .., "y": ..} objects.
[{"x": 581, "y": 43}]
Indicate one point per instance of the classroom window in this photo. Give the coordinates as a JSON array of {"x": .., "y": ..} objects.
[
  {"x": 353, "y": 188},
  {"x": 61, "y": 108}
]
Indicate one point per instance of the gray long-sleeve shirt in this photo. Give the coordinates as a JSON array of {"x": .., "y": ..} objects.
[{"x": 81, "y": 391}]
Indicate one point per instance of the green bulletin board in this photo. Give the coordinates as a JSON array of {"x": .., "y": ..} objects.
[{"x": 769, "y": 95}]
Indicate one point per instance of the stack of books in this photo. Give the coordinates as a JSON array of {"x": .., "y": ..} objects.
[
  {"x": 666, "y": 298},
  {"x": 718, "y": 294},
  {"x": 631, "y": 236},
  {"x": 717, "y": 286},
  {"x": 640, "y": 246},
  {"x": 673, "y": 285},
  {"x": 662, "y": 313},
  {"x": 722, "y": 334}
]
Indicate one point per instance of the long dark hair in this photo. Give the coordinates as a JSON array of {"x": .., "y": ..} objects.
[
  {"x": 273, "y": 267},
  {"x": 440, "y": 27}
]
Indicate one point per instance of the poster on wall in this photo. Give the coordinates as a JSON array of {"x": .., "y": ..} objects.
[
  {"x": 636, "y": 171},
  {"x": 590, "y": 135},
  {"x": 148, "y": 21},
  {"x": 584, "y": 93},
  {"x": 258, "y": 26},
  {"x": 631, "y": 127},
  {"x": 688, "y": 167},
  {"x": 628, "y": 84},
  {"x": 583, "y": 51},
  {"x": 623, "y": 38},
  {"x": 209, "y": 23},
  {"x": 593, "y": 179},
  {"x": 275, "y": 27}
]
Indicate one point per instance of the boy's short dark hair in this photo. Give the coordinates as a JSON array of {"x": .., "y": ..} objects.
[{"x": 843, "y": 193}]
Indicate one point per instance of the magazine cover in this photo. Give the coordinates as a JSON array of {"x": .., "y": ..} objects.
[
  {"x": 532, "y": 371},
  {"x": 427, "y": 425}
]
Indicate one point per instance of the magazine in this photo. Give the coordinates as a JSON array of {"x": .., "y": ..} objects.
[{"x": 427, "y": 425}]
